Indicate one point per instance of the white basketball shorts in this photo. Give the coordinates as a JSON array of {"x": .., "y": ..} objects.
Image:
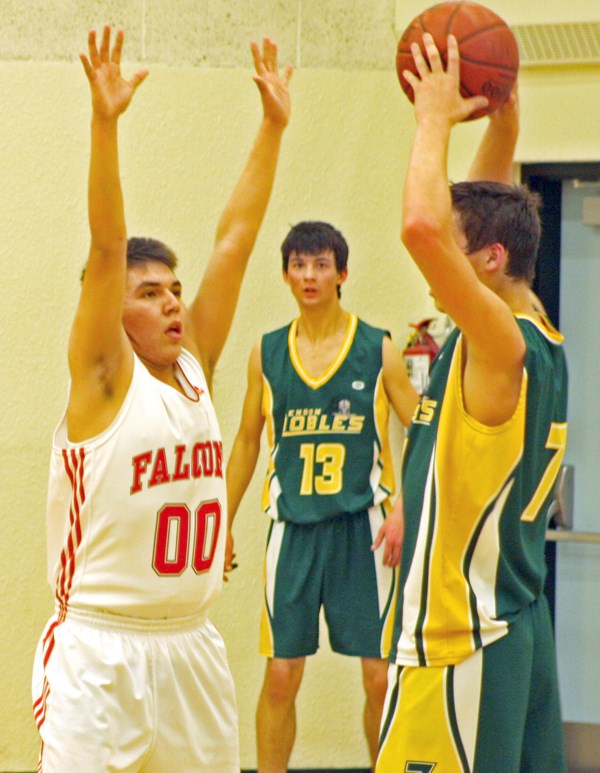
[{"x": 122, "y": 694}]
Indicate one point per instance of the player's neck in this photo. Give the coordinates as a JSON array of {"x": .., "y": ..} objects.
[
  {"x": 169, "y": 374},
  {"x": 519, "y": 298},
  {"x": 319, "y": 324},
  {"x": 320, "y": 340}
]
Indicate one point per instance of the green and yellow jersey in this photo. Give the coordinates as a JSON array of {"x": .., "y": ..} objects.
[
  {"x": 328, "y": 436},
  {"x": 475, "y": 500}
]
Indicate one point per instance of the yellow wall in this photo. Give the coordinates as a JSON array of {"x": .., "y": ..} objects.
[
  {"x": 183, "y": 143},
  {"x": 181, "y": 151}
]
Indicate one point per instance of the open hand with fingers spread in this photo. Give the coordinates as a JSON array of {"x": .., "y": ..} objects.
[
  {"x": 437, "y": 90},
  {"x": 272, "y": 85},
  {"x": 111, "y": 93}
]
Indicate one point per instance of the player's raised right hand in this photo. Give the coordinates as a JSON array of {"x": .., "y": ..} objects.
[{"x": 111, "y": 93}]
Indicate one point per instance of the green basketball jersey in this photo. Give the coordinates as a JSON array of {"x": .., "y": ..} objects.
[
  {"x": 328, "y": 436},
  {"x": 475, "y": 500}
]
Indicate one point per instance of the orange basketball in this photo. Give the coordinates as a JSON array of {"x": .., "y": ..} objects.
[{"x": 489, "y": 55}]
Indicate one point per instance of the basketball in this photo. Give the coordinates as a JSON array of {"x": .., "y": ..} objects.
[{"x": 489, "y": 55}]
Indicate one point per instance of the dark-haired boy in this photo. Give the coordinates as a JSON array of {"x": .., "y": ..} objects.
[
  {"x": 323, "y": 386},
  {"x": 474, "y": 685},
  {"x": 129, "y": 673}
]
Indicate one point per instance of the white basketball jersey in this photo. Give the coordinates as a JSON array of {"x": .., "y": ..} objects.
[{"x": 136, "y": 516}]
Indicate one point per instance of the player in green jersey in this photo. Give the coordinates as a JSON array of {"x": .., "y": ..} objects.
[
  {"x": 323, "y": 386},
  {"x": 474, "y": 685}
]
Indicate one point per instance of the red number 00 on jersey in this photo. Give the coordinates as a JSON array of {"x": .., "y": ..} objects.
[{"x": 172, "y": 540}]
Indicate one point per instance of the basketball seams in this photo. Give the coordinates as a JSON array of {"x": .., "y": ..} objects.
[
  {"x": 480, "y": 31},
  {"x": 493, "y": 65},
  {"x": 472, "y": 36},
  {"x": 469, "y": 37},
  {"x": 451, "y": 20}
]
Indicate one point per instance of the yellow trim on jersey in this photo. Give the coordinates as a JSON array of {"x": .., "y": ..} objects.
[
  {"x": 265, "y": 639},
  {"x": 267, "y": 411},
  {"x": 463, "y": 444},
  {"x": 381, "y": 414},
  {"x": 387, "y": 630},
  {"x": 545, "y": 327},
  {"x": 473, "y": 463},
  {"x": 420, "y": 736},
  {"x": 315, "y": 383}
]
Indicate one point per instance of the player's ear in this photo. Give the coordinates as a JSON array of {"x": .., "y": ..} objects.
[
  {"x": 497, "y": 260},
  {"x": 342, "y": 276}
]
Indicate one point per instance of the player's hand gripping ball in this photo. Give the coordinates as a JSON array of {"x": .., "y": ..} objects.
[{"x": 489, "y": 55}]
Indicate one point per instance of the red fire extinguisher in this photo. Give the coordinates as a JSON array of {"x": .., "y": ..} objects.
[{"x": 420, "y": 350}]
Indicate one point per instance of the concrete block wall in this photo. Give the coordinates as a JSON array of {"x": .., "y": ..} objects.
[{"x": 355, "y": 34}]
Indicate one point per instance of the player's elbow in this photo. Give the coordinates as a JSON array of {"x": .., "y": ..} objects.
[
  {"x": 234, "y": 242},
  {"x": 419, "y": 232}
]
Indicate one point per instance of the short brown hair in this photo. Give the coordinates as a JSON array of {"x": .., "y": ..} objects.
[
  {"x": 490, "y": 212},
  {"x": 141, "y": 249}
]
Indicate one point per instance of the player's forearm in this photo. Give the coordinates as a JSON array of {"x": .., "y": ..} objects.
[
  {"x": 494, "y": 158},
  {"x": 245, "y": 210},
  {"x": 428, "y": 228},
  {"x": 240, "y": 468},
  {"x": 427, "y": 205},
  {"x": 105, "y": 198}
]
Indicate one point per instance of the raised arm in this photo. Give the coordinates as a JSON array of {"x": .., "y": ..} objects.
[
  {"x": 495, "y": 154},
  {"x": 495, "y": 346},
  {"x": 246, "y": 447},
  {"x": 100, "y": 358},
  {"x": 213, "y": 308}
]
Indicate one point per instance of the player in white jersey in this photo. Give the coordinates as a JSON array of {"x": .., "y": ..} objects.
[{"x": 129, "y": 674}]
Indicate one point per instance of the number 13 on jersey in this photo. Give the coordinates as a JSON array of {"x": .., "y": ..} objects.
[{"x": 328, "y": 478}]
